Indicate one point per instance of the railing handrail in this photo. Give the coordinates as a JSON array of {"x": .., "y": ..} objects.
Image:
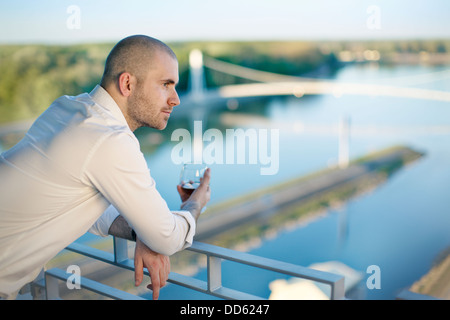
[
  {"x": 335, "y": 281},
  {"x": 215, "y": 255}
]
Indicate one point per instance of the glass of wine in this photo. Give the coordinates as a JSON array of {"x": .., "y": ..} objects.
[{"x": 190, "y": 176}]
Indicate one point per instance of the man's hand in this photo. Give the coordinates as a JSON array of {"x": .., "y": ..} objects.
[
  {"x": 158, "y": 266},
  {"x": 200, "y": 196}
]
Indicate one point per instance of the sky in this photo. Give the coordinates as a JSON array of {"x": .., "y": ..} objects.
[{"x": 80, "y": 21}]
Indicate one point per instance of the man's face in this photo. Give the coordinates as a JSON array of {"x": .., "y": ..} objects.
[{"x": 154, "y": 98}]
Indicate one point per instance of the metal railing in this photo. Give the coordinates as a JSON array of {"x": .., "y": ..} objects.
[{"x": 212, "y": 286}]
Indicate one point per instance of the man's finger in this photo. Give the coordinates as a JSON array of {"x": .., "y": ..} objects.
[
  {"x": 138, "y": 272},
  {"x": 167, "y": 266},
  {"x": 165, "y": 270},
  {"x": 162, "y": 277},
  {"x": 183, "y": 195},
  {"x": 155, "y": 283},
  {"x": 206, "y": 177}
]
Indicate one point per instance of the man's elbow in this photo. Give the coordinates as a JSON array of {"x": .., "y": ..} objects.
[
  {"x": 168, "y": 241},
  {"x": 169, "y": 251}
]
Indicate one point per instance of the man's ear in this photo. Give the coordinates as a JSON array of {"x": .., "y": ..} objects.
[{"x": 126, "y": 83}]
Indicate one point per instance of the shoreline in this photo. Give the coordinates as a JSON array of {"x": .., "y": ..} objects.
[
  {"x": 436, "y": 282},
  {"x": 253, "y": 214}
]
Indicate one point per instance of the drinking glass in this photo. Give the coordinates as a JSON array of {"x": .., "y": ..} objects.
[{"x": 190, "y": 176}]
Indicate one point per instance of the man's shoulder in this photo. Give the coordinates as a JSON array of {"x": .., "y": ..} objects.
[
  {"x": 85, "y": 115},
  {"x": 77, "y": 122}
]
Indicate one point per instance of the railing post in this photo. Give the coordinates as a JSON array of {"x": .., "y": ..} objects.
[
  {"x": 120, "y": 249},
  {"x": 51, "y": 287},
  {"x": 338, "y": 290},
  {"x": 214, "y": 273}
]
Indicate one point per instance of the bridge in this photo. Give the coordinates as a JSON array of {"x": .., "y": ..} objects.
[
  {"x": 273, "y": 84},
  {"x": 199, "y": 100},
  {"x": 202, "y": 100}
]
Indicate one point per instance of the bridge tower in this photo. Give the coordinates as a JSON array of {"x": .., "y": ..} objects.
[
  {"x": 196, "y": 75},
  {"x": 196, "y": 91},
  {"x": 344, "y": 142}
]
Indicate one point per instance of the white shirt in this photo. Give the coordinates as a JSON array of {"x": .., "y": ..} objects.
[{"x": 78, "y": 159}]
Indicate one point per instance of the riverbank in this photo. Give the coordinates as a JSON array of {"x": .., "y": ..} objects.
[
  {"x": 436, "y": 282},
  {"x": 247, "y": 218}
]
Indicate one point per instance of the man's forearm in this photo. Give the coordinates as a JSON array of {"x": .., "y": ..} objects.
[
  {"x": 193, "y": 207},
  {"x": 120, "y": 228}
]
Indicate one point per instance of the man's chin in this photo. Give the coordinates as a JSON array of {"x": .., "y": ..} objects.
[{"x": 161, "y": 126}]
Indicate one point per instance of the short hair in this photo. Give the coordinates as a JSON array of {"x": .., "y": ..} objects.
[{"x": 133, "y": 54}]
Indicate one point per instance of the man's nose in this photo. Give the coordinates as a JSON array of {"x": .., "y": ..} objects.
[{"x": 174, "y": 100}]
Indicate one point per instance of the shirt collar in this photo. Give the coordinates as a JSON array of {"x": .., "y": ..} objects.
[{"x": 100, "y": 96}]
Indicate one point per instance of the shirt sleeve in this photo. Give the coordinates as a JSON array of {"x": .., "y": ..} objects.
[
  {"x": 118, "y": 170},
  {"x": 101, "y": 226}
]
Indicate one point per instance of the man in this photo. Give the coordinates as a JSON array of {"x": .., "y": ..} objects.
[{"x": 80, "y": 165}]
